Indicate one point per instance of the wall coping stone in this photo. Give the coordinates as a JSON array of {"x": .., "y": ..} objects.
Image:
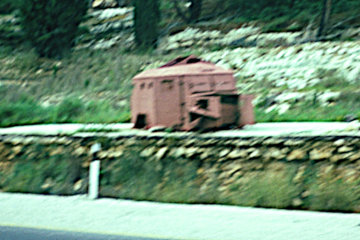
[{"x": 333, "y": 130}]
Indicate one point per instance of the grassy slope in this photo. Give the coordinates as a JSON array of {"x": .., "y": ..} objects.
[{"x": 95, "y": 86}]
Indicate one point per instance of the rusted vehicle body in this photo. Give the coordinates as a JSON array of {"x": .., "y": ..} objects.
[{"x": 189, "y": 94}]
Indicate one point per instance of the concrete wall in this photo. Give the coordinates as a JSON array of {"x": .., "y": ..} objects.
[{"x": 319, "y": 173}]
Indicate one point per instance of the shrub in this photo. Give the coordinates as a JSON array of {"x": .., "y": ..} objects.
[
  {"x": 22, "y": 112},
  {"x": 68, "y": 110},
  {"x": 51, "y": 25}
]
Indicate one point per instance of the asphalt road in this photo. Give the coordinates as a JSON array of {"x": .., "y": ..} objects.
[
  {"x": 150, "y": 220},
  {"x": 18, "y": 233}
]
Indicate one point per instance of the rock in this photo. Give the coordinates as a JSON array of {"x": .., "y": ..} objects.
[
  {"x": 16, "y": 140},
  {"x": 210, "y": 142},
  {"x": 179, "y": 152},
  {"x": 290, "y": 97},
  {"x": 328, "y": 96},
  {"x": 235, "y": 154},
  {"x": 345, "y": 149},
  {"x": 47, "y": 184},
  {"x": 339, "y": 142},
  {"x": 299, "y": 175},
  {"x": 321, "y": 154},
  {"x": 355, "y": 157},
  {"x": 28, "y": 141},
  {"x": 200, "y": 171},
  {"x": 292, "y": 142},
  {"x": 340, "y": 157},
  {"x": 116, "y": 153},
  {"x": 104, "y": 3},
  {"x": 255, "y": 154},
  {"x": 297, "y": 202},
  {"x": 192, "y": 151},
  {"x": 305, "y": 194},
  {"x": 273, "y": 153},
  {"x": 283, "y": 108},
  {"x": 161, "y": 153},
  {"x": 280, "y": 108},
  {"x": 78, "y": 185},
  {"x": 147, "y": 152},
  {"x": 273, "y": 141},
  {"x": 106, "y": 44},
  {"x": 190, "y": 142},
  {"x": 243, "y": 143},
  {"x": 17, "y": 150},
  {"x": 57, "y": 151},
  {"x": 354, "y": 75},
  {"x": 161, "y": 142},
  {"x": 224, "y": 152},
  {"x": 79, "y": 151},
  {"x": 103, "y": 154},
  {"x": 297, "y": 154}
]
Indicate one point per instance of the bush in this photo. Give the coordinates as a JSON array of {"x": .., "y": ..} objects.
[
  {"x": 22, "y": 112},
  {"x": 68, "y": 110},
  {"x": 51, "y": 25}
]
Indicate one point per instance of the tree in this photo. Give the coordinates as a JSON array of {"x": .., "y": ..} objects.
[
  {"x": 51, "y": 25},
  {"x": 147, "y": 18},
  {"x": 6, "y": 6},
  {"x": 325, "y": 17}
]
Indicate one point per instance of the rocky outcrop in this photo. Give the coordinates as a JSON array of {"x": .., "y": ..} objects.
[
  {"x": 104, "y": 3},
  {"x": 190, "y": 168},
  {"x": 107, "y": 28},
  {"x": 246, "y": 36}
]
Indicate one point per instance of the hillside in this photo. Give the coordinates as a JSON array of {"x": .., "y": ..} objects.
[{"x": 273, "y": 56}]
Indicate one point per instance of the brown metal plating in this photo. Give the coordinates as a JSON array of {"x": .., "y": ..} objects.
[{"x": 189, "y": 94}]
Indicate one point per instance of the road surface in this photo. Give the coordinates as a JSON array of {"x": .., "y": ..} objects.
[
  {"x": 172, "y": 221},
  {"x": 19, "y": 233}
]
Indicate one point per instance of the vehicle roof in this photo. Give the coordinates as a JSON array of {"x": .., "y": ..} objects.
[{"x": 184, "y": 66}]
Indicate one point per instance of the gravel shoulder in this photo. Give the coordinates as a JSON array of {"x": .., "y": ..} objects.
[{"x": 173, "y": 221}]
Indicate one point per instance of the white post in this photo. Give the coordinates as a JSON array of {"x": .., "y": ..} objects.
[
  {"x": 94, "y": 179},
  {"x": 94, "y": 172}
]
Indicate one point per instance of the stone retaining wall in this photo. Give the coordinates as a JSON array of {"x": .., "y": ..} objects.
[{"x": 319, "y": 173}]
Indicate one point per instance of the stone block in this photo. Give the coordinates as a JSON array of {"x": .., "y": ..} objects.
[
  {"x": 160, "y": 154},
  {"x": 147, "y": 152},
  {"x": 345, "y": 149},
  {"x": 237, "y": 153},
  {"x": 293, "y": 142},
  {"x": 321, "y": 153},
  {"x": 297, "y": 154}
]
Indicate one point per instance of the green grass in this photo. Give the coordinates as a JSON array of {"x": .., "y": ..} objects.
[
  {"x": 331, "y": 193},
  {"x": 70, "y": 110},
  {"x": 266, "y": 189},
  {"x": 29, "y": 175},
  {"x": 308, "y": 111}
]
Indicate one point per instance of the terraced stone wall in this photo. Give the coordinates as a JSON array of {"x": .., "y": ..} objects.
[{"x": 318, "y": 173}]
